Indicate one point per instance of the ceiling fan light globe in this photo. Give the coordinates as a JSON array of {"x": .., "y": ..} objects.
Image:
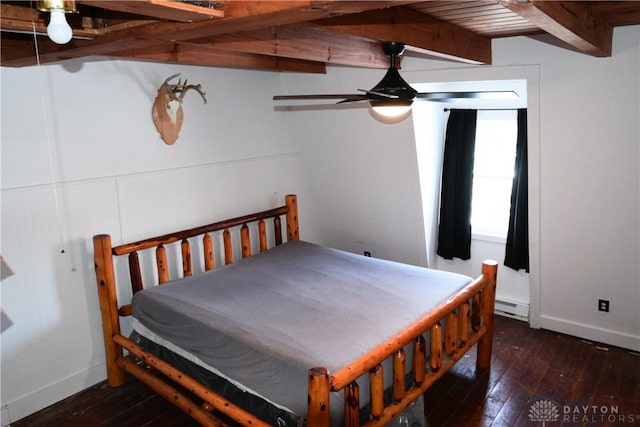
[{"x": 392, "y": 110}]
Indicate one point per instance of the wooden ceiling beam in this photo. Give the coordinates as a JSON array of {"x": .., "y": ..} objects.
[
  {"x": 304, "y": 43},
  {"x": 185, "y": 53},
  {"x": 576, "y": 23},
  {"x": 249, "y": 15},
  {"x": 620, "y": 13},
  {"x": 55, "y": 53},
  {"x": 159, "y": 9},
  {"x": 239, "y": 16},
  {"x": 414, "y": 29},
  {"x": 19, "y": 18}
]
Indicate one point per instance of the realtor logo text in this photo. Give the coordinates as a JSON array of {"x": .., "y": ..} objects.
[
  {"x": 549, "y": 411},
  {"x": 596, "y": 414}
]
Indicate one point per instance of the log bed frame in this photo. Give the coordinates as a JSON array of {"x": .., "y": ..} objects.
[{"x": 464, "y": 320}]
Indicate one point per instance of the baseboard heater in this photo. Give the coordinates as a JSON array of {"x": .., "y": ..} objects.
[{"x": 516, "y": 310}]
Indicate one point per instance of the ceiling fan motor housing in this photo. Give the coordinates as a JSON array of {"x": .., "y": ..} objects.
[
  {"x": 397, "y": 90},
  {"x": 393, "y": 85}
]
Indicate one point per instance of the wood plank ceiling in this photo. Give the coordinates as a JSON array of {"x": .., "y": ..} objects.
[{"x": 304, "y": 36}]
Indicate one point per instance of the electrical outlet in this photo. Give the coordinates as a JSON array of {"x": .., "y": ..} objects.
[
  {"x": 603, "y": 305},
  {"x": 367, "y": 253}
]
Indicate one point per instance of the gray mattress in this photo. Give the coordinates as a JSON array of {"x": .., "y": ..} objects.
[{"x": 264, "y": 321}]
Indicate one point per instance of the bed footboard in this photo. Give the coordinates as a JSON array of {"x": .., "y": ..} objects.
[{"x": 463, "y": 321}]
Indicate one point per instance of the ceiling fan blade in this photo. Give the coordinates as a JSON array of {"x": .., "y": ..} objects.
[
  {"x": 344, "y": 97},
  {"x": 449, "y": 96},
  {"x": 381, "y": 94},
  {"x": 346, "y": 101}
]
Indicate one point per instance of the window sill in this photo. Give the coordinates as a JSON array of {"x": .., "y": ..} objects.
[{"x": 489, "y": 238}]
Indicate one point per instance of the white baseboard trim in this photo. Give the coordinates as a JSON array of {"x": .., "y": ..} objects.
[
  {"x": 590, "y": 332},
  {"x": 5, "y": 416},
  {"x": 33, "y": 402}
]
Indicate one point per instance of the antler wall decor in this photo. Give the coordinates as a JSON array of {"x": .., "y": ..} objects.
[{"x": 167, "y": 108}]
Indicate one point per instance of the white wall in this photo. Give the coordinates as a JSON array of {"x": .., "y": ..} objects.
[
  {"x": 111, "y": 173},
  {"x": 585, "y": 203},
  {"x": 364, "y": 172},
  {"x": 589, "y": 204}
]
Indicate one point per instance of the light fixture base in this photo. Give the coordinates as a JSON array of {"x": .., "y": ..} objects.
[{"x": 68, "y": 6}]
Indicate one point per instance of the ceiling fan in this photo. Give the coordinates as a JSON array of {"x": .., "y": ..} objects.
[{"x": 393, "y": 96}]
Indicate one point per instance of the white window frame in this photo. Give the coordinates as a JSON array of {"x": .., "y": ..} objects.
[{"x": 493, "y": 163}]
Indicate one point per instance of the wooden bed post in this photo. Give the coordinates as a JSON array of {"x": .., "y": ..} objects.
[
  {"x": 105, "y": 278},
  {"x": 485, "y": 344},
  {"x": 293, "y": 232},
  {"x": 318, "y": 414}
]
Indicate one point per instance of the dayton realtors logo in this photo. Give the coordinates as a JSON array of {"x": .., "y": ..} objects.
[
  {"x": 544, "y": 410},
  {"x": 549, "y": 411}
]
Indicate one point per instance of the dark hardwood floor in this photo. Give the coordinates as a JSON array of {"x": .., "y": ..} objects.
[{"x": 537, "y": 378}]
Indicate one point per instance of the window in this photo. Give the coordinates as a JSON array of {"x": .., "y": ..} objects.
[{"x": 496, "y": 133}]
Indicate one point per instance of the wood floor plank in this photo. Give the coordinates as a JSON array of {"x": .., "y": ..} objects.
[
  {"x": 518, "y": 381},
  {"x": 483, "y": 399},
  {"x": 453, "y": 389},
  {"x": 528, "y": 366},
  {"x": 512, "y": 353}
]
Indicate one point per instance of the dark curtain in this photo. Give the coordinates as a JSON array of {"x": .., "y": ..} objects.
[
  {"x": 454, "y": 230},
  {"x": 517, "y": 250}
]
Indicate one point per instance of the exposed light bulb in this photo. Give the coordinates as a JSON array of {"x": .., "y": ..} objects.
[{"x": 59, "y": 30}]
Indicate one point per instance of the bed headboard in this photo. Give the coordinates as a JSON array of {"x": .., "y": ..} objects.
[{"x": 104, "y": 254}]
